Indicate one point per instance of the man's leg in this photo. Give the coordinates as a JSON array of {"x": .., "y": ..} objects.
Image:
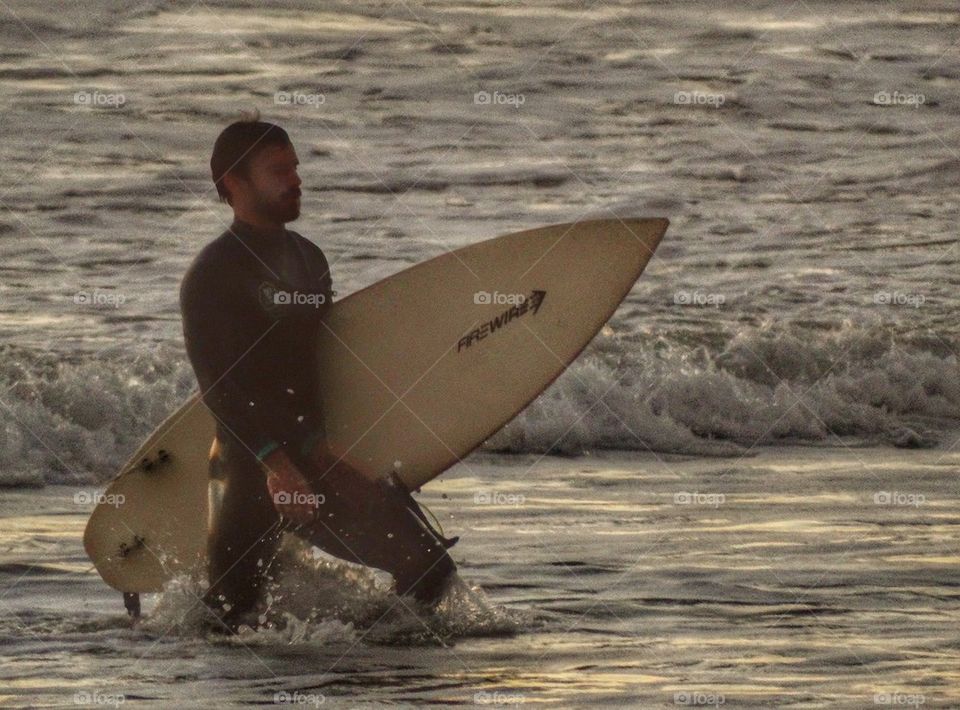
[
  {"x": 243, "y": 537},
  {"x": 370, "y": 523}
]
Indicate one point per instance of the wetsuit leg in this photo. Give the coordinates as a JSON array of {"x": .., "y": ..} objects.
[
  {"x": 244, "y": 535},
  {"x": 376, "y": 525}
]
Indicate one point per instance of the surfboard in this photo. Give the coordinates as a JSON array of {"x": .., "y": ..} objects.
[{"x": 417, "y": 370}]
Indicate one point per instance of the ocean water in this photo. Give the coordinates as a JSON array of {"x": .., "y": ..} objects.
[
  {"x": 792, "y": 345},
  {"x": 800, "y": 577}
]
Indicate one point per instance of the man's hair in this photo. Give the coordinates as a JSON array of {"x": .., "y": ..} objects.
[{"x": 237, "y": 144}]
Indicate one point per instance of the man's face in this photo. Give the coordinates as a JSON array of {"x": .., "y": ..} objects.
[{"x": 272, "y": 187}]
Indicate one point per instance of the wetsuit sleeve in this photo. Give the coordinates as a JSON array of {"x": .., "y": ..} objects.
[
  {"x": 319, "y": 265},
  {"x": 211, "y": 304}
]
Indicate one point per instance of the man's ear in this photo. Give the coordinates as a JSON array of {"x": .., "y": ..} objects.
[{"x": 233, "y": 184}]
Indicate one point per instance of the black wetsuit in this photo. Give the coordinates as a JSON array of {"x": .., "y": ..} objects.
[
  {"x": 252, "y": 302},
  {"x": 253, "y": 355}
]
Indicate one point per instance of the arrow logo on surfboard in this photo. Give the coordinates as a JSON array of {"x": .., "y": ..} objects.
[{"x": 530, "y": 304}]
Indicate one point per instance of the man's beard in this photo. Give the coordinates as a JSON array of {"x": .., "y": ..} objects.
[{"x": 285, "y": 210}]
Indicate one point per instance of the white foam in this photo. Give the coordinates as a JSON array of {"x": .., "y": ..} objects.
[
  {"x": 765, "y": 384},
  {"x": 77, "y": 421},
  {"x": 317, "y": 599}
]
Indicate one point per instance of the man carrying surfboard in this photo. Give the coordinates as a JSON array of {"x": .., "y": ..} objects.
[{"x": 252, "y": 303}]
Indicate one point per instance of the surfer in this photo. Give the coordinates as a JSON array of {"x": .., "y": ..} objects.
[{"x": 252, "y": 302}]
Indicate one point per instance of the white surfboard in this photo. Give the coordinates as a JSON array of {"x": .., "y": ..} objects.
[{"x": 417, "y": 370}]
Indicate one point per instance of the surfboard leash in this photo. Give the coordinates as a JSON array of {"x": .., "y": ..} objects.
[{"x": 394, "y": 482}]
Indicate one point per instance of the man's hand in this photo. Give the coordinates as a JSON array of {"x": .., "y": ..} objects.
[{"x": 291, "y": 493}]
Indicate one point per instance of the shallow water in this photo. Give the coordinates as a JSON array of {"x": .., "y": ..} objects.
[{"x": 775, "y": 580}]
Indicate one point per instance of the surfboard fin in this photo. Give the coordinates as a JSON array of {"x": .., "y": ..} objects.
[{"x": 131, "y": 601}]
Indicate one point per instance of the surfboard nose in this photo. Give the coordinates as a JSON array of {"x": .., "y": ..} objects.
[{"x": 658, "y": 225}]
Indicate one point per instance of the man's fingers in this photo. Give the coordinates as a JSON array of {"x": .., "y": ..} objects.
[
  {"x": 287, "y": 489},
  {"x": 299, "y": 514}
]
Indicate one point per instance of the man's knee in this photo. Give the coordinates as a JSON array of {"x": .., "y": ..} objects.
[{"x": 380, "y": 525}]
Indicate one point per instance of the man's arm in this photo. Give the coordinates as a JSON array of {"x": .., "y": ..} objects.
[{"x": 211, "y": 305}]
